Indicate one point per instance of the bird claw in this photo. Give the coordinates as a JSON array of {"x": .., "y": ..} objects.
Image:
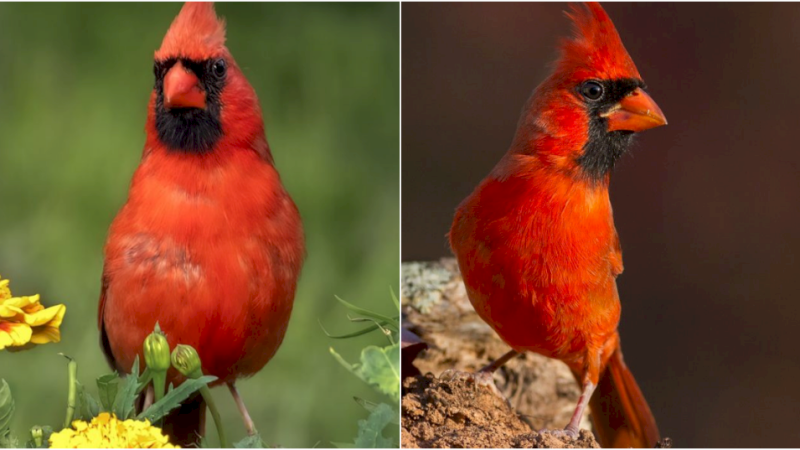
[
  {"x": 565, "y": 433},
  {"x": 479, "y": 378}
]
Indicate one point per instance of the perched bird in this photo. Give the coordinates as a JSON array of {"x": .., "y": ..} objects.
[
  {"x": 536, "y": 242},
  {"x": 209, "y": 244}
]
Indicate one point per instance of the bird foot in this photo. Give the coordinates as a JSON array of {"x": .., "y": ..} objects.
[
  {"x": 567, "y": 433},
  {"x": 480, "y": 378}
]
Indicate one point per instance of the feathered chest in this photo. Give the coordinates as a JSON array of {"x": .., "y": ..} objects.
[
  {"x": 549, "y": 231},
  {"x": 187, "y": 218}
]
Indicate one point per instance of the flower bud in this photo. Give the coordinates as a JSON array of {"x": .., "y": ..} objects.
[
  {"x": 37, "y": 433},
  {"x": 156, "y": 351},
  {"x": 187, "y": 361}
]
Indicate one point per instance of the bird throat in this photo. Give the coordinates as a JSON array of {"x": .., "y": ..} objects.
[{"x": 602, "y": 150}]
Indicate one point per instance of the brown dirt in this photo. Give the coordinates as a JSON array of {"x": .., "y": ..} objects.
[{"x": 457, "y": 413}]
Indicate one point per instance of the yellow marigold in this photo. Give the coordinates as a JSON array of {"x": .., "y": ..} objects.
[
  {"x": 25, "y": 322},
  {"x": 106, "y": 431}
]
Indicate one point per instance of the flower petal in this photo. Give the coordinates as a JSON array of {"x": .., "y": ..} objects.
[
  {"x": 5, "y": 291},
  {"x": 14, "y": 334},
  {"x": 17, "y": 303},
  {"x": 48, "y": 316},
  {"x": 45, "y": 335}
]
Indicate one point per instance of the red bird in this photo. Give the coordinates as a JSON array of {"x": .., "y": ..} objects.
[
  {"x": 536, "y": 242},
  {"x": 209, "y": 244}
]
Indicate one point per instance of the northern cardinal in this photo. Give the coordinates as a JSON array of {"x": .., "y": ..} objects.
[
  {"x": 536, "y": 242},
  {"x": 209, "y": 244}
]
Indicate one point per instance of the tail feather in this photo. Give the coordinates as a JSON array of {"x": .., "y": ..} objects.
[
  {"x": 620, "y": 414},
  {"x": 186, "y": 424}
]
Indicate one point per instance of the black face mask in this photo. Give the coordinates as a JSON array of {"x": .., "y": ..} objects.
[
  {"x": 604, "y": 147},
  {"x": 191, "y": 130}
]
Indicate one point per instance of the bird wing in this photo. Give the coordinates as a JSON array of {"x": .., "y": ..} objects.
[{"x": 104, "y": 344}]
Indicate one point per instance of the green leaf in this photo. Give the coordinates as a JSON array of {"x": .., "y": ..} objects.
[
  {"x": 371, "y": 407},
  {"x": 144, "y": 379},
  {"x": 350, "y": 335},
  {"x": 370, "y": 431},
  {"x": 392, "y": 323},
  {"x": 107, "y": 386},
  {"x": 89, "y": 408},
  {"x": 125, "y": 402},
  {"x": 174, "y": 398},
  {"x": 9, "y": 442},
  {"x": 379, "y": 367},
  {"x": 250, "y": 442},
  {"x": 6, "y": 408},
  {"x": 394, "y": 298}
]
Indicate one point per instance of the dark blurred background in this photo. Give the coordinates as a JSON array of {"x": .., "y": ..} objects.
[
  {"x": 706, "y": 207},
  {"x": 74, "y": 87}
]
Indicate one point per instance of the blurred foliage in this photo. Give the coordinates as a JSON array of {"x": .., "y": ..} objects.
[
  {"x": 73, "y": 95},
  {"x": 380, "y": 368}
]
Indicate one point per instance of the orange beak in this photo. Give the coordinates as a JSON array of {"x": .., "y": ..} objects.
[
  {"x": 636, "y": 112},
  {"x": 182, "y": 89}
]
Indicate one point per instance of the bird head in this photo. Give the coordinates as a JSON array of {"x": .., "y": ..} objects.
[
  {"x": 201, "y": 101},
  {"x": 594, "y": 101}
]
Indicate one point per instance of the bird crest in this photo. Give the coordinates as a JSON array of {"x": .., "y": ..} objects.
[
  {"x": 596, "y": 49},
  {"x": 196, "y": 33}
]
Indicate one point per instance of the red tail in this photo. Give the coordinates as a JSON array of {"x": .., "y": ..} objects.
[
  {"x": 186, "y": 424},
  {"x": 620, "y": 413}
]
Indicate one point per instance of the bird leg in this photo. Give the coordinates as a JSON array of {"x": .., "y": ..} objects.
[
  {"x": 491, "y": 368},
  {"x": 573, "y": 428},
  {"x": 590, "y": 373},
  {"x": 248, "y": 422},
  {"x": 149, "y": 392}
]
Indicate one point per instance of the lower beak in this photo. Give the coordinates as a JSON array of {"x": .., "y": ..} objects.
[
  {"x": 636, "y": 112},
  {"x": 182, "y": 89}
]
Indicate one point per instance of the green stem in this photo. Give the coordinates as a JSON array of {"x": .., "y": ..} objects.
[
  {"x": 73, "y": 388},
  {"x": 159, "y": 384},
  {"x": 212, "y": 407}
]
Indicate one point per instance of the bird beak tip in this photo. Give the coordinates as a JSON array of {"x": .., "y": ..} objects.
[{"x": 636, "y": 112}]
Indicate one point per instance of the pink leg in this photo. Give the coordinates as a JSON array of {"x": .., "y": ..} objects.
[
  {"x": 573, "y": 428},
  {"x": 248, "y": 422}
]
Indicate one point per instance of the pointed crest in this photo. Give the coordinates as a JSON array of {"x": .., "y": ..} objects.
[
  {"x": 596, "y": 49},
  {"x": 196, "y": 33}
]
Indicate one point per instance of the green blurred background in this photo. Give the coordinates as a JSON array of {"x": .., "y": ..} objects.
[{"x": 74, "y": 87}]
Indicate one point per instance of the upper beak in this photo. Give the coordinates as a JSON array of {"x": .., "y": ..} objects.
[
  {"x": 182, "y": 89},
  {"x": 636, "y": 112}
]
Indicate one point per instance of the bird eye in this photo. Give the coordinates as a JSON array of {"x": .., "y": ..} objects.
[
  {"x": 592, "y": 90},
  {"x": 219, "y": 68}
]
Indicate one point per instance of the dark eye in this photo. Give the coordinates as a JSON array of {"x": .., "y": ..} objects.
[
  {"x": 592, "y": 90},
  {"x": 219, "y": 68}
]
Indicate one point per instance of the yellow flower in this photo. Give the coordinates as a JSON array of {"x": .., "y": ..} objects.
[
  {"x": 106, "y": 431},
  {"x": 25, "y": 322}
]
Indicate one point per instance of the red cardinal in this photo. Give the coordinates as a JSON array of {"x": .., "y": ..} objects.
[
  {"x": 536, "y": 241},
  {"x": 209, "y": 243}
]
